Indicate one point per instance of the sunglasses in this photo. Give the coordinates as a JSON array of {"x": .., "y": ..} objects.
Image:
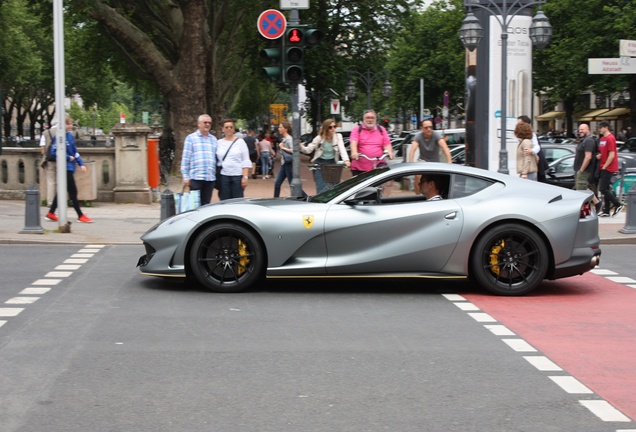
[{"x": 332, "y": 127}]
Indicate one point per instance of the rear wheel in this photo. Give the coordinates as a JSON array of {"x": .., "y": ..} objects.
[
  {"x": 509, "y": 259},
  {"x": 227, "y": 258}
]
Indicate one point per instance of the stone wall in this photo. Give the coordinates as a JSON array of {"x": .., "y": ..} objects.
[{"x": 20, "y": 170}]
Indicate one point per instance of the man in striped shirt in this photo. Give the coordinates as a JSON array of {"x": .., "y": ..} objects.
[{"x": 198, "y": 162}]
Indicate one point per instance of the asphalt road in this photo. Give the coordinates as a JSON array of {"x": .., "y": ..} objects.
[{"x": 97, "y": 347}]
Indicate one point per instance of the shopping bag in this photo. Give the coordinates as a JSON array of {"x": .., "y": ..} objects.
[{"x": 187, "y": 200}]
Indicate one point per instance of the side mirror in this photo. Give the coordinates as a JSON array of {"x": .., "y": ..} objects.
[{"x": 366, "y": 195}]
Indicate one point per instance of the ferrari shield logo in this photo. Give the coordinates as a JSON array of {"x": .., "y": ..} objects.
[{"x": 308, "y": 221}]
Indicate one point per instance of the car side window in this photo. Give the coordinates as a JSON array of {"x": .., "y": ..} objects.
[{"x": 464, "y": 185}]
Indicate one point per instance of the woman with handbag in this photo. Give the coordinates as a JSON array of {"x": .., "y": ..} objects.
[
  {"x": 526, "y": 161},
  {"x": 233, "y": 157},
  {"x": 329, "y": 149},
  {"x": 286, "y": 159}
]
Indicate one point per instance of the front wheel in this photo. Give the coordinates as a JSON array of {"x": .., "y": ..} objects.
[
  {"x": 509, "y": 259},
  {"x": 227, "y": 258}
]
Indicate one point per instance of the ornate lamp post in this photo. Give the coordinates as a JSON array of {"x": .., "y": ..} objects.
[
  {"x": 471, "y": 33},
  {"x": 368, "y": 79}
]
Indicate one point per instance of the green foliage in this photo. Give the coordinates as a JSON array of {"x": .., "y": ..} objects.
[{"x": 429, "y": 48}]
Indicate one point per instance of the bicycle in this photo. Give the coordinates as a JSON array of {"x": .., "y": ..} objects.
[{"x": 378, "y": 161}]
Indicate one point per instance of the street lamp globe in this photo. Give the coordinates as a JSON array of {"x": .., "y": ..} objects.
[
  {"x": 350, "y": 89},
  {"x": 540, "y": 30},
  {"x": 387, "y": 89},
  {"x": 471, "y": 32}
]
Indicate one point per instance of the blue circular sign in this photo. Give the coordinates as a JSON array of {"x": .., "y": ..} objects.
[{"x": 271, "y": 24}]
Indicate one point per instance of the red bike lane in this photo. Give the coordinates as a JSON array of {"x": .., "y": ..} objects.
[{"x": 585, "y": 324}]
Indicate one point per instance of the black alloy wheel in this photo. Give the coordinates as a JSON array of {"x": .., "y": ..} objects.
[
  {"x": 227, "y": 258},
  {"x": 509, "y": 259}
]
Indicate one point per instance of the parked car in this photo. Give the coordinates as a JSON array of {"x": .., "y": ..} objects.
[
  {"x": 551, "y": 152},
  {"x": 628, "y": 146},
  {"x": 561, "y": 171},
  {"x": 368, "y": 226}
]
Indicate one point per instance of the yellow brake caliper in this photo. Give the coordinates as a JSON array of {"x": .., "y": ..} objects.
[
  {"x": 244, "y": 260},
  {"x": 494, "y": 259}
]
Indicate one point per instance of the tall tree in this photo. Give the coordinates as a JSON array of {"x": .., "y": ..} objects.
[
  {"x": 191, "y": 49},
  {"x": 581, "y": 30},
  {"x": 429, "y": 48}
]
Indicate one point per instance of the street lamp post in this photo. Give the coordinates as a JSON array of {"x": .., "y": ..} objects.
[
  {"x": 471, "y": 33},
  {"x": 368, "y": 79}
]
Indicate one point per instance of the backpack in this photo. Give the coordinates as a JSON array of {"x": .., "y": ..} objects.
[
  {"x": 596, "y": 162},
  {"x": 49, "y": 146},
  {"x": 380, "y": 128}
]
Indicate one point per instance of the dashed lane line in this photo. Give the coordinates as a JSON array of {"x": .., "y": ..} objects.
[
  {"x": 52, "y": 279},
  {"x": 600, "y": 408}
]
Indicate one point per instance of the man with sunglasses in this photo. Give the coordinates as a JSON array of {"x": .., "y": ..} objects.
[
  {"x": 198, "y": 162},
  {"x": 429, "y": 144}
]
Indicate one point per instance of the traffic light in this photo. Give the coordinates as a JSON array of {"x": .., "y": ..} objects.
[
  {"x": 275, "y": 56},
  {"x": 294, "y": 53},
  {"x": 297, "y": 39}
]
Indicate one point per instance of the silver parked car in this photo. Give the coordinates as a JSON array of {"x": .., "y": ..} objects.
[{"x": 505, "y": 233}]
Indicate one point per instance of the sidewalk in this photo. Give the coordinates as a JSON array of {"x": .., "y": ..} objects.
[{"x": 125, "y": 223}]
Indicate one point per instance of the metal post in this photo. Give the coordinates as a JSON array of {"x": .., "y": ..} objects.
[
  {"x": 296, "y": 183},
  {"x": 368, "y": 84},
  {"x": 58, "y": 27},
  {"x": 167, "y": 204},
  {"x": 630, "y": 218},
  {"x": 503, "y": 152},
  {"x": 32, "y": 212}
]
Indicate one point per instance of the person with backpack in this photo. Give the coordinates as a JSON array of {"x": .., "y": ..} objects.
[
  {"x": 369, "y": 139},
  {"x": 584, "y": 160},
  {"x": 608, "y": 168},
  {"x": 73, "y": 158},
  {"x": 48, "y": 163}
]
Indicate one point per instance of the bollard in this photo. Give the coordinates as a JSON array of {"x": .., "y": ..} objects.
[
  {"x": 167, "y": 204},
  {"x": 630, "y": 218},
  {"x": 32, "y": 212}
]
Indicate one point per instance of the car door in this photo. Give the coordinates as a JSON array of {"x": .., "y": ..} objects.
[{"x": 402, "y": 233}]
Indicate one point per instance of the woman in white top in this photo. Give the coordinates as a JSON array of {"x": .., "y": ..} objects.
[
  {"x": 233, "y": 156},
  {"x": 329, "y": 147}
]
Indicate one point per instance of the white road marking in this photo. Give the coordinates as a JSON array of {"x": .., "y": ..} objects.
[
  {"x": 603, "y": 410},
  {"x": 22, "y": 300},
  {"x": 467, "y": 306},
  {"x": 42, "y": 286},
  {"x": 10, "y": 312},
  {"x": 58, "y": 274},
  {"x": 519, "y": 345},
  {"x": 621, "y": 279},
  {"x": 499, "y": 330},
  {"x": 68, "y": 267},
  {"x": 543, "y": 363},
  {"x": 453, "y": 297},
  {"x": 571, "y": 385},
  {"x": 602, "y": 272},
  {"x": 47, "y": 282},
  {"x": 482, "y": 317},
  {"x": 35, "y": 291}
]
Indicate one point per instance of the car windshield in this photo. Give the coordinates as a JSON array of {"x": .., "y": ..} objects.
[{"x": 330, "y": 194}]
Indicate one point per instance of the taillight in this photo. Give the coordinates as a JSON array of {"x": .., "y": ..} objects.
[{"x": 586, "y": 210}]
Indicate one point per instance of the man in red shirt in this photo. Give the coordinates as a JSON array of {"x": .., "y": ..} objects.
[
  {"x": 370, "y": 140},
  {"x": 609, "y": 167}
]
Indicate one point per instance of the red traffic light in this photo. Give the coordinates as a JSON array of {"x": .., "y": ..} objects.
[{"x": 295, "y": 36}]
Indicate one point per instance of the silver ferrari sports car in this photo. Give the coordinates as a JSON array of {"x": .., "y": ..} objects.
[{"x": 506, "y": 234}]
